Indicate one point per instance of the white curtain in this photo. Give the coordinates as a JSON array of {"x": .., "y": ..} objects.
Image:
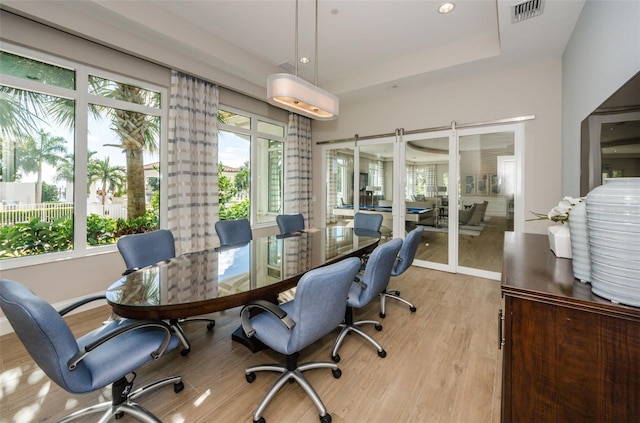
[
  {"x": 297, "y": 191},
  {"x": 192, "y": 162}
]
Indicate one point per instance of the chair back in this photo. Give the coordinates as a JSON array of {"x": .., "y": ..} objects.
[
  {"x": 44, "y": 334},
  {"x": 233, "y": 232},
  {"x": 320, "y": 302},
  {"x": 367, "y": 221},
  {"x": 145, "y": 249},
  {"x": 408, "y": 251},
  {"x": 288, "y": 223},
  {"x": 376, "y": 273}
]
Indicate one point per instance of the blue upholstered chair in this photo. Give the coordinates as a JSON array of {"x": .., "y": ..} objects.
[
  {"x": 107, "y": 355},
  {"x": 317, "y": 309},
  {"x": 404, "y": 260},
  {"x": 288, "y": 223},
  {"x": 148, "y": 248},
  {"x": 367, "y": 287},
  {"x": 367, "y": 221},
  {"x": 233, "y": 232}
]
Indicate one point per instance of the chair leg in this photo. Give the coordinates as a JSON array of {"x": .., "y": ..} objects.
[
  {"x": 396, "y": 296},
  {"x": 119, "y": 405},
  {"x": 179, "y": 332},
  {"x": 350, "y": 326},
  {"x": 292, "y": 371}
]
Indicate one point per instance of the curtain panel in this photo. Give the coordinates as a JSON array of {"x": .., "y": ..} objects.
[
  {"x": 192, "y": 178},
  {"x": 298, "y": 184}
]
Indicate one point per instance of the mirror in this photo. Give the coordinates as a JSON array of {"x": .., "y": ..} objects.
[{"x": 610, "y": 138}]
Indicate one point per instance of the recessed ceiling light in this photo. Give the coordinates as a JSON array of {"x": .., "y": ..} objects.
[
  {"x": 446, "y": 8},
  {"x": 304, "y": 60}
]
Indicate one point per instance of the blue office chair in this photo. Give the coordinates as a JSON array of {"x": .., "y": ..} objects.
[
  {"x": 374, "y": 281},
  {"x": 317, "y": 309},
  {"x": 107, "y": 355},
  {"x": 289, "y": 223},
  {"x": 149, "y": 248},
  {"x": 403, "y": 261},
  {"x": 367, "y": 221},
  {"x": 233, "y": 232}
]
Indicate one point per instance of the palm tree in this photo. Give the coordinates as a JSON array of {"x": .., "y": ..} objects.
[
  {"x": 111, "y": 178},
  {"x": 34, "y": 153},
  {"x": 138, "y": 132}
]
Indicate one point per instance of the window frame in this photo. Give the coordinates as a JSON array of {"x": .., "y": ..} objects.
[
  {"x": 81, "y": 97},
  {"x": 254, "y": 135}
]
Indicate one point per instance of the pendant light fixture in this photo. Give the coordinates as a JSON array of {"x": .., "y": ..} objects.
[{"x": 299, "y": 96}]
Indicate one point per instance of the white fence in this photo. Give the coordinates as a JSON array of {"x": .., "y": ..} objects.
[{"x": 11, "y": 214}]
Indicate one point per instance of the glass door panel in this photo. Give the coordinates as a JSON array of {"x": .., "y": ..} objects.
[
  {"x": 341, "y": 189},
  {"x": 376, "y": 182},
  {"x": 486, "y": 203},
  {"x": 427, "y": 193}
]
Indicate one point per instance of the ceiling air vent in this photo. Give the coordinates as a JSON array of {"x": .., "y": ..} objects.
[{"x": 526, "y": 9}]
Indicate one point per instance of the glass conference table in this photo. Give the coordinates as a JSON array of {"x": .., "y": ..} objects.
[{"x": 219, "y": 279}]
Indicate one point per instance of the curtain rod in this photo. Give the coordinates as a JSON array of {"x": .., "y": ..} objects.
[{"x": 453, "y": 126}]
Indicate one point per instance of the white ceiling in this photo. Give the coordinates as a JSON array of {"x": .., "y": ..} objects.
[{"x": 363, "y": 44}]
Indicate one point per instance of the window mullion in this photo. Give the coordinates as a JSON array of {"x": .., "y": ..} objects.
[{"x": 80, "y": 181}]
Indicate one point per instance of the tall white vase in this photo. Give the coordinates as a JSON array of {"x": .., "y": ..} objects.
[
  {"x": 613, "y": 218},
  {"x": 580, "y": 242}
]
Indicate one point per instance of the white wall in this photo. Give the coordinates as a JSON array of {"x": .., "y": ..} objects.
[
  {"x": 475, "y": 95},
  {"x": 602, "y": 54}
]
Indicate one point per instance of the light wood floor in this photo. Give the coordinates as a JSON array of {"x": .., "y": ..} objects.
[
  {"x": 481, "y": 252},
  {"x": 442, "y": 365}
]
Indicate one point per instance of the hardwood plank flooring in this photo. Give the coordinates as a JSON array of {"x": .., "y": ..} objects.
[
  {"x": 481, "y": 252},
  {"x": 442, "y": 366}
]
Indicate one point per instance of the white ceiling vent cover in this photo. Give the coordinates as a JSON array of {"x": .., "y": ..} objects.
[{"x": 526, "y": 9}]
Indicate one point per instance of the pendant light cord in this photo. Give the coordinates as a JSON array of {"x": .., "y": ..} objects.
[
  {"x": 316, "y": 47},
  {"x": 296, "y": 36}
]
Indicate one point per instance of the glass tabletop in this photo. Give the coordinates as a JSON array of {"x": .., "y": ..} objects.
[{"x": 213, "y": 280}]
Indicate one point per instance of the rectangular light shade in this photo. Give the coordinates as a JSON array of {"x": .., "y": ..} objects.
[{"x": 299, "y": 96}]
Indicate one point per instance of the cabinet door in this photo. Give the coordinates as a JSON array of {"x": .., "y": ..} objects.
[{"x": 569, "y": 365}]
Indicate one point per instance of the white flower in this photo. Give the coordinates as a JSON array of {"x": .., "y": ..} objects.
[{"x": 560, "y": 213}]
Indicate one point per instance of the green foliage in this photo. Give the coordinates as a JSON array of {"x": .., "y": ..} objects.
[
  {"x": 100, "y": 230},
  {"x": 235, "y": 211},
  {"x": 49, "y": 193},
  {"x": 36, "y": 237}
]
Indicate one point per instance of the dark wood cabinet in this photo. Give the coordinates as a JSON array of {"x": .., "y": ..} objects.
[{"x": 569, "y": 356}]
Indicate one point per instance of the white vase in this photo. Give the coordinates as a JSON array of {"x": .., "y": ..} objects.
[
  {"x": 560, "y": 240},
  {"x": 613, "y": 218},
  {"x": 580, "y": 242}
]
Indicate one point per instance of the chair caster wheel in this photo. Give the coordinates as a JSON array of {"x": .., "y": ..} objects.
[
  {"x": 119, "y": 415},
  {"x": 210, "y": 326},
  {"x": 326, "y": 418},
  {"x": 413, "y": 309},
  {"x": 251, "y": 377},
  {"x": 382, "y": 354},
  {"x": 382, "y": 315},
  {"x": 260, "y": 420},
  {"x": 185, "y": 352},
  {"x": 178, "y": 387},
  {"x": 336, "y": 358},
  {"x": 378, "y": 328},
  {"x": 336, "y": 373}
]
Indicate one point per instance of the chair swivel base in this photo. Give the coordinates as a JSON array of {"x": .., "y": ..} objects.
[
  {"x": 353, "y": 327},
  {"x": 119, "y": 405},
  {"x": 396, "y": 296},
  {"x": 290, "y": 373}
]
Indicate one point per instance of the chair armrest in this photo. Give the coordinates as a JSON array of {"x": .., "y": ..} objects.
[
  {"x": 358, "y": 281},
  {"x": 81, "y": 302},
  {"x": 119, "y": 330},
  {"x": 245, "y": 315}
]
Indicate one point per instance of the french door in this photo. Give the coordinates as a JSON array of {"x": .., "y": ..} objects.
[{"x": 464, "y": 187}]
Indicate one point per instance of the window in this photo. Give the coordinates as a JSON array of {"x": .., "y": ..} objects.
[
  {"x": 250, "y": 166},
  {"x": 79, "y": 157}
]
